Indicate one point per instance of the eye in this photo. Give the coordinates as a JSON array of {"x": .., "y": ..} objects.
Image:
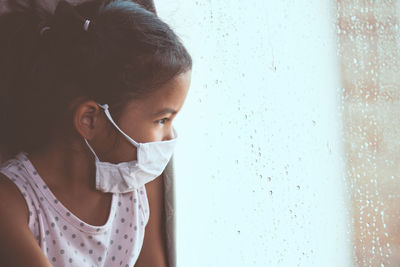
[{"x": 162, "y": 121}]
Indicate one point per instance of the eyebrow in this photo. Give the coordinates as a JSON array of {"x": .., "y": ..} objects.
[{"x": 165, "y": 111}]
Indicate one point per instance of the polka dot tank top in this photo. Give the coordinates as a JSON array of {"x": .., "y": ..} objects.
[{"x": 66, "y": 240}]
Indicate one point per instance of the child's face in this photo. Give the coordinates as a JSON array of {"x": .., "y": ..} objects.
[{"x": 149, "y": 119}]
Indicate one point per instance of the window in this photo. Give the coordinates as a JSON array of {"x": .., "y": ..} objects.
[{"x": 288, "y": 151}]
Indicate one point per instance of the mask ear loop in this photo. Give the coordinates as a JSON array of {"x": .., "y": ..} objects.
[
  {"x": 91, "y": 149},
  {"x": 107, "y": 112}
]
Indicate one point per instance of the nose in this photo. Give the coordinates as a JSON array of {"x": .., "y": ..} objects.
[{"x": 170, "y": 135}]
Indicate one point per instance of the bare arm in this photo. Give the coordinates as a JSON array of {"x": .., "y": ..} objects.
[
  {"x": 153, "y": 253},
  {"x": 18, "y": 247}
]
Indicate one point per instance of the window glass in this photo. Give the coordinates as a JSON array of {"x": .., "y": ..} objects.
[{"x": 261, "y": 174}]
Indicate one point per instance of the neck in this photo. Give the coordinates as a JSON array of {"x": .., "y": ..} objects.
[{"x": 65, "y": 167}]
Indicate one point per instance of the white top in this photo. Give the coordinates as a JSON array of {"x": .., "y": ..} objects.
[{"x": 68, "y": 241}]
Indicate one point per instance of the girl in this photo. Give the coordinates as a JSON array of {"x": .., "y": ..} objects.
[{"x": 89, "y": 95}]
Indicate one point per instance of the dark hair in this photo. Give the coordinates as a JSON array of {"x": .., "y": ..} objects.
[{"x": 126, "y": 52}]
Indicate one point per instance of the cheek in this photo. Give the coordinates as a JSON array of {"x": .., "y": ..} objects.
[
  {"x": 141, "y": 128},
  {"x": 149, "y": 134},
  {"x": 143, "y": 132},
  {"x": 124, "y": 151}
]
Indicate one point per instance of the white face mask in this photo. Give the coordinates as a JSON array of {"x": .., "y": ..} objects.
[{"x": 152, "y": 158}]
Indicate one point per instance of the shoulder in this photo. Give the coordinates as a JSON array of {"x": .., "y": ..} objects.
[
  {"x": 14, "y": 191},
  {"x": 12, "y": 201},
  {"x": 18, "y": 246}
]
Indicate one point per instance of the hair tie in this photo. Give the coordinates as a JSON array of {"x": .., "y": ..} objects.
[
  {"x": 86, "y": 25},
  {"x": 45, "y": 28}
]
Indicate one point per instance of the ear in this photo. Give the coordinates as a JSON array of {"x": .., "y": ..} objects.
[{"x": 86, "y": 118}]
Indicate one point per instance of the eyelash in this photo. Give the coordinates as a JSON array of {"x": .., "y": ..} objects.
[{"x": 164, "y": 120}]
